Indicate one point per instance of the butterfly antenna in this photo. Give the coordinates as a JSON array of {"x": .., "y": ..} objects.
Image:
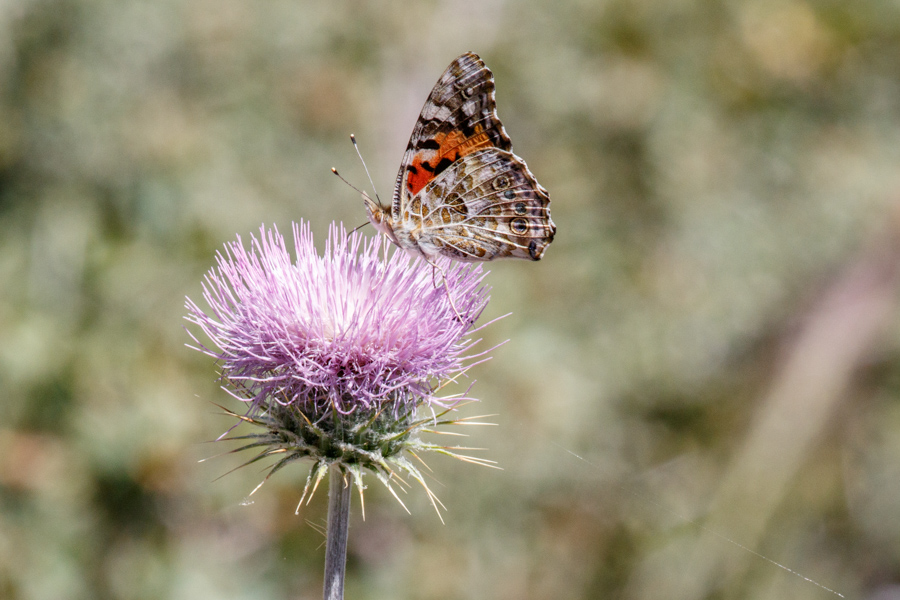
[
  {"x": 359, "y": 154},
  {"x": 335, "y": 171}
]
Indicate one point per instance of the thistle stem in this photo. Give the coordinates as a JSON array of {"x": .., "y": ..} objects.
[{"x": 336, "y": 536}]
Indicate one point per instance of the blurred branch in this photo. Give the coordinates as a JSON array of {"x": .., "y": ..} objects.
[{"x": 838, "y": 334}]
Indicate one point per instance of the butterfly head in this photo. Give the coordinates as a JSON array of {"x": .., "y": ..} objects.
[{"x": 379, "y": 217}]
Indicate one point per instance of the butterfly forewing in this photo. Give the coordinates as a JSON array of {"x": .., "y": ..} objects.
[{"x": 459, "y": 117}]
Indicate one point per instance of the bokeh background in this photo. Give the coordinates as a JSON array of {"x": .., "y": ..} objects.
[{"x": 702, "y": 375}]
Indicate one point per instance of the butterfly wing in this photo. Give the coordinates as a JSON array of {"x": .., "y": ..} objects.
[
  {"x": 460, "y": 191},
  {"x": 459, "y": 118},
  {"x": 485, "y": 205}
]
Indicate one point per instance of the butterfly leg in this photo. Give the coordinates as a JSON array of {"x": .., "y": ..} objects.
[{"x": 435, "y": 267}]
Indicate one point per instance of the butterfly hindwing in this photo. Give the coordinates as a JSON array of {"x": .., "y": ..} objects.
[{"x": 486, "y": 204}]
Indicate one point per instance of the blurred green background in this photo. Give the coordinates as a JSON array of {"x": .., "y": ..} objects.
[{"x": 714, "y": 332}]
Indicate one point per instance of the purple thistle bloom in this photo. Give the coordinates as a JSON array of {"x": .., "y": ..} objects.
[
  {"x": 347, "y": 329},
  {"x": 334, "y": 354}
]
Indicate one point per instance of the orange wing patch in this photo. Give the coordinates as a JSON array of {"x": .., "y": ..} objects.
[{"x": 442, "y": 150}]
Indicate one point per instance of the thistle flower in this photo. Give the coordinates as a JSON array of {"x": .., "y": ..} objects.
[{"x": 340, "y": 358}]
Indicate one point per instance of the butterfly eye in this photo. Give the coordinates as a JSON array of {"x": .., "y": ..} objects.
[
  {"x": 501, "y": 182},
  {"x": 520, "y": 208},
  {"x": 519, "y": 225}
]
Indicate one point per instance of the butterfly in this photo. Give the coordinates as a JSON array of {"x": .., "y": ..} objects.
[{"x": 461, "y": 192}]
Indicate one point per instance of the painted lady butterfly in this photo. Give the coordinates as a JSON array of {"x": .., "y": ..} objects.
[{"x": 461, "y": 192}]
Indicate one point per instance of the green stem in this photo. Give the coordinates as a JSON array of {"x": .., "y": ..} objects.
[{"x": 336, "y": 540}]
